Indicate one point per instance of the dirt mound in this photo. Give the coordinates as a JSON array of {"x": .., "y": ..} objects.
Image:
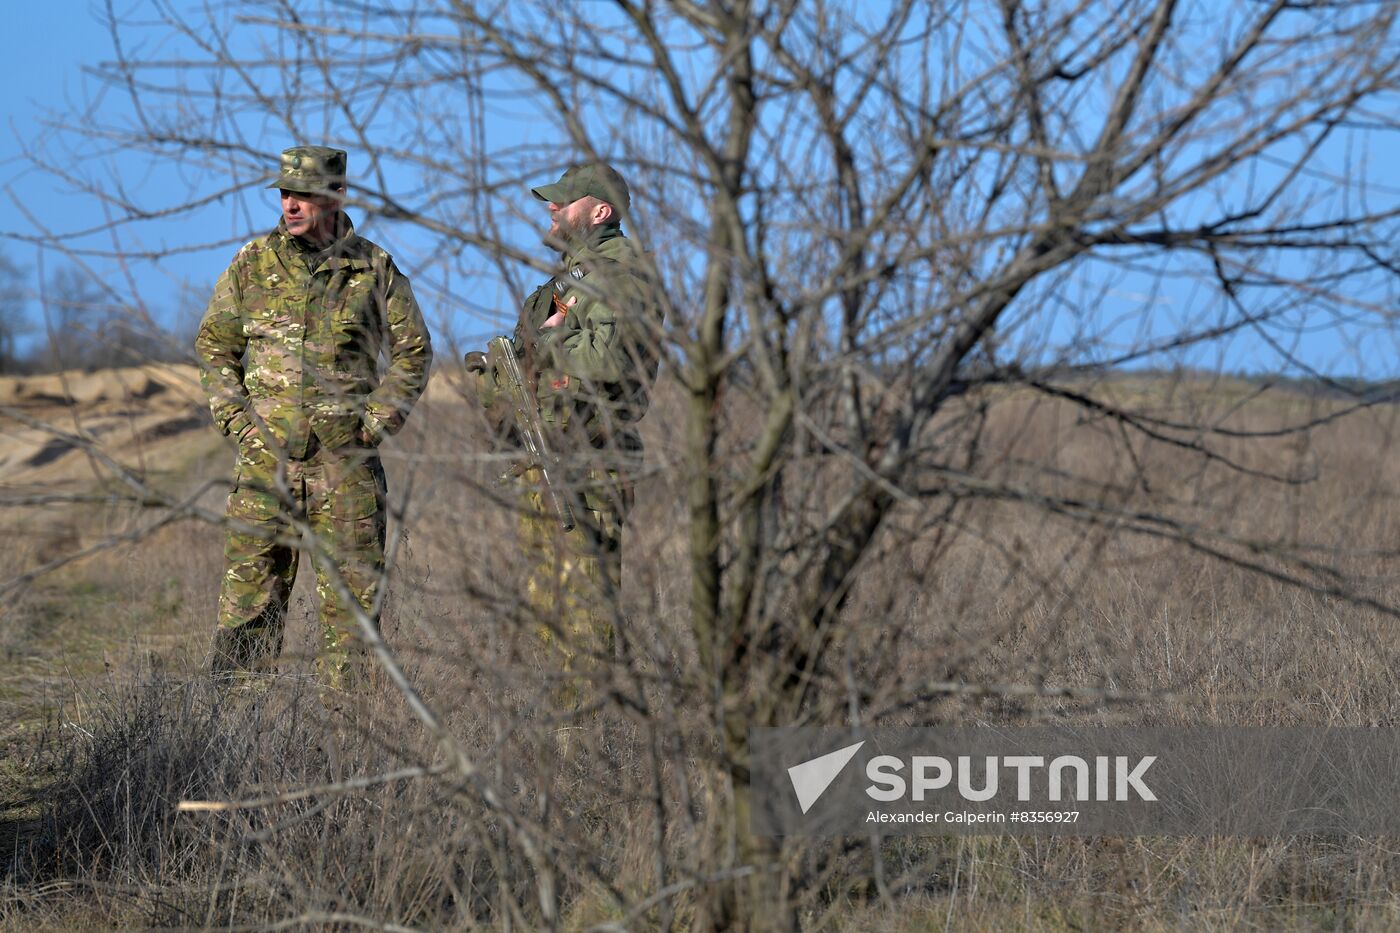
[
  {"x": 140, "y": 416},
  {"x": 147, "y": 418},
  {"x": 106, "y": 386}
]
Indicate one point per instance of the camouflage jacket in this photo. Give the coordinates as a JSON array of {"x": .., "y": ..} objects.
[
  {"x": 293, "y": 336},
  {"x": 595, "y": 370}
]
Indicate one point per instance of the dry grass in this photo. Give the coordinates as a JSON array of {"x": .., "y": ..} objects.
[{"x": 102, "y": 669}]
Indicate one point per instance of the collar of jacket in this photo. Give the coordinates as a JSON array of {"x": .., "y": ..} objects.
[
  {"x": 607, "y": 242},
  {"x": 347, "y": 250}
]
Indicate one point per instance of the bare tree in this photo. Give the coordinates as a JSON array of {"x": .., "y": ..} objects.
[
  {"x": 14, "y": 311},
  {"x": 88, "y": 327},
  {"x": 896, "y": 247},
  {"x": 74, "y": 311}
]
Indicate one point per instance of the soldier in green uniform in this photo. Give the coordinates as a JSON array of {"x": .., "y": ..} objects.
[
  {"x": 290, "y": 348},
  {"x": 587, "y": 339}
]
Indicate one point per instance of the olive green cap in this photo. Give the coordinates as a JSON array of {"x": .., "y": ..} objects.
[
  {"x": 595, "y": 178},
  {"x": 311, "y": 170}
]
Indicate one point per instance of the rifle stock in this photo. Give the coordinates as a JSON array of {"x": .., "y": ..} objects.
[{"x": 501, "y": 356}]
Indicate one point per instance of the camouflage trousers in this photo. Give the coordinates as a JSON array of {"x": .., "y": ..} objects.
[
  {"x": 575, "y": 577},
  {"x": 339, "y": 495}
]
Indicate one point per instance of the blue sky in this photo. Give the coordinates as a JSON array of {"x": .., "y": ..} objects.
[
  {"x": 45, "y": 47},
  {"x": 43, "y": 51}
]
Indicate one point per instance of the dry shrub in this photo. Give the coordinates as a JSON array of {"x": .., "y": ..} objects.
[
  {"x": 620, "y": 793},
  {"x": 414, "y": 850}
]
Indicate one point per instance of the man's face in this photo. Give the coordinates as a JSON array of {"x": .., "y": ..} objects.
[
  {"x": 309, "y": 215},
  {"x": 571, "y": 221}
]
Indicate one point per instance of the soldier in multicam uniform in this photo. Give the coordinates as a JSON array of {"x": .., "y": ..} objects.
[
  {"x": 587, "y": 338},
  {"x": 290, "y": 346}
]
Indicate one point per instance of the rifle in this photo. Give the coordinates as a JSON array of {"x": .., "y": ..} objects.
[{"x": 501, "y": 357}]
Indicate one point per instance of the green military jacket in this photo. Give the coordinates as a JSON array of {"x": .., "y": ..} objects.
[
  {"x": 294, "y": 335},
  {"x": 596, "y": 369}
]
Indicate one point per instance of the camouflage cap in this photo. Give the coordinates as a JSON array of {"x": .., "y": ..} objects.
[
  {"x": 596, "y": 178},
  {"x": 311, "y": 170}
]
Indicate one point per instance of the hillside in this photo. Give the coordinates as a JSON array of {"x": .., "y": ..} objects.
[
  {"x": 100, "y": 664},
  {"x": 144, "y": 418}
]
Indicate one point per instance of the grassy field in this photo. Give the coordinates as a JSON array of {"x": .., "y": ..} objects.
[{"x": 108, "y": 722}]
